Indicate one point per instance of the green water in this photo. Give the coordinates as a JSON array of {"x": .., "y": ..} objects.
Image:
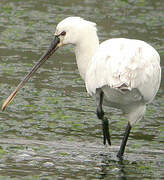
[{"x": 51, "y": 131}]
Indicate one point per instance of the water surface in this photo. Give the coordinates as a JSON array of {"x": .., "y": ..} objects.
[{"x": 51, "y": 131}]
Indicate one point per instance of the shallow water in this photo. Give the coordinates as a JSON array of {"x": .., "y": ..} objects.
[{"x": 50, "y": 131}]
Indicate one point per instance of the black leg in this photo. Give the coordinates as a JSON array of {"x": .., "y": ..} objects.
[
  {"x": 105, "y": 126},
  {"x": 100, "y": 115},
  {"x": 124, "y": 141}
]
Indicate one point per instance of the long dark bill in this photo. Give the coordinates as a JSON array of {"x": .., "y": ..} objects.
[{"x": 53, "y": 47}]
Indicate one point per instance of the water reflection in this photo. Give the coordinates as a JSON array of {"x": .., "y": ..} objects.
[
  {"x": 122, "y": 172},
  {"x": 116, "y": 167}
]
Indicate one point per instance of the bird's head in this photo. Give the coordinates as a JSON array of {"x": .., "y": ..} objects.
[{"x": 71, "y": 30}]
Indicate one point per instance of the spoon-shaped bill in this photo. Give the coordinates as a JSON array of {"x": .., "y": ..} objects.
[{"x": 53, "y": 47}]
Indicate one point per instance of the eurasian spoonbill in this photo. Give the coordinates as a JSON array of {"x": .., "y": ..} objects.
[{"x": 122, "y": 73}]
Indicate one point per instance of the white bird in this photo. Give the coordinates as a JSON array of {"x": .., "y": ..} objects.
[{"x": 122, "y": 73}]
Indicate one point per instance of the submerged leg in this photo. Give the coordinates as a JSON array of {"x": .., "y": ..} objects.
[
  {"x": 100, "y": 115},
  {"x": 124, "y": 141}
]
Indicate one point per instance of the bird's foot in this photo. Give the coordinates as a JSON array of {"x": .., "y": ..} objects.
[
  {"x": 106, "y": 134},
  {"x": 120, "y": 155},
  {"x": 124, "y": 141}
]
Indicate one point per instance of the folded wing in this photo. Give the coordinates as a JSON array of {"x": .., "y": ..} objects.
[{"x": 125, "y": 64}]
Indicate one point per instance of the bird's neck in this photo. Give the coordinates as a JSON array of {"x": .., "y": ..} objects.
[{"x": 84, "y": 51}]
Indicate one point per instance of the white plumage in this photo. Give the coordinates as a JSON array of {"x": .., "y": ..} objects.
[
  {"x": 125, "y": 61},
  {"x": 129, "y": 73},
  {"x": 123, "y": 73}
]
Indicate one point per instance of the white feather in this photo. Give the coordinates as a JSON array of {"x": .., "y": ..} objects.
[
  {"x": 125, "y": 62},
  {"x": 126, "y": 70}
]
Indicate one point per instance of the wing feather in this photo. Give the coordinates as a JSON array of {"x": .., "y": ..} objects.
[{"x": 125, "y": 63}]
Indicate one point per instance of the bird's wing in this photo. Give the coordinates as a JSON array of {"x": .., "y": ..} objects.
[{"x": 124, "y": 64}]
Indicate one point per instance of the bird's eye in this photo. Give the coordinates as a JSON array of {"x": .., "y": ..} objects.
[{"x": 63, "y": 33}]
